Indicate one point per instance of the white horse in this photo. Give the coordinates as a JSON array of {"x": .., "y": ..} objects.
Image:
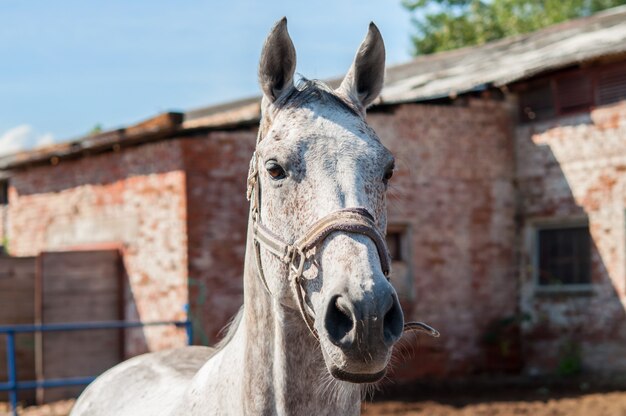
[{"x": 320, "y": 317}]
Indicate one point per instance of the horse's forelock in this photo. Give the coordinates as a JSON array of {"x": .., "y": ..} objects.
[{"x": 307, "y": 91}]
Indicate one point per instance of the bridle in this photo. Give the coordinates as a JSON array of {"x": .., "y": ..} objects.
[{"x": 350, "y": 220}]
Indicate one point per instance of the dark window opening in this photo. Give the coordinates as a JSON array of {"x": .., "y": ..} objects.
[
  {"x": 611, "y": 85},
  {"x": 4, "y": 192},
  {"x": 536, "y": 102},
  {"x": 571, "y": 91},
  {"x": 564, "y": 256},
  {"x": 394, "y": 245}
]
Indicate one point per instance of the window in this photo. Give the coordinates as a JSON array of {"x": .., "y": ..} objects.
[
  {"x": 611, "y": 85},
  {"x": 563, "y": 256},
  {"x": 4, "y": 192},
  {"x": 571, "y": 91},
  {"x": 394, "y": 245},
  {"x": 399, "y": 246},
  {"x": 536, "y": 102}
]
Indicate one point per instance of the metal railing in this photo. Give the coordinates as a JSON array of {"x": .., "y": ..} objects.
[{"x": 13, "y": 385}]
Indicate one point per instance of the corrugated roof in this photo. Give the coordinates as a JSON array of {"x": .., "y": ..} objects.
[
  {"x": 445, "y": 74},
  {"x": 157, "y": 128},
  {"x": 511, "y": 59},
  {"x": 472, "y": 68}
]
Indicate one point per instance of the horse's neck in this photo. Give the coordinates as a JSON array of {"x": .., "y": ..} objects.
[{"x": 284, "y": 372}]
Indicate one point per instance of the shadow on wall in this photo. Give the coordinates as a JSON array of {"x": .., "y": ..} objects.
[
  {"x": 453, "y": 194},
  {"x": 483, "y": 199},
  {"x": 572, "y": 194}
]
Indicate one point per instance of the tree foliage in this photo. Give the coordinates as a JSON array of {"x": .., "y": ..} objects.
[{"x": 449, "y": 24}]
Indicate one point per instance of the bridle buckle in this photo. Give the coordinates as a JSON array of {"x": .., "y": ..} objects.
[{"x": 296, "y": 264}]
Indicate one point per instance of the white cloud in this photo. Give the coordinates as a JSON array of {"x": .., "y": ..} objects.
[{"x": 22, "y": 137}]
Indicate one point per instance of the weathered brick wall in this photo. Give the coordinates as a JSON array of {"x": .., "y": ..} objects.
[
  {"x": 573, "y": 167},
  {"x": 217, "y": 168},
  {"x": 134, "y": 197},
  {"x": 453, "y": 190},
  {"x": 179, "y": 208}
]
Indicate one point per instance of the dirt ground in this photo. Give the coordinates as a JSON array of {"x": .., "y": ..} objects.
[
  {"x": 595, "y": 404},
  {"x": 537, "y": 403}
]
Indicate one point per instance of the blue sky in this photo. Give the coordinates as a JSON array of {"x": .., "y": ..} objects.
[{"x": 68, "y": 65}]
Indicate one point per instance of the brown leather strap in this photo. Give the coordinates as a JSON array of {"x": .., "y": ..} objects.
[{"x": 349, "y": 220}]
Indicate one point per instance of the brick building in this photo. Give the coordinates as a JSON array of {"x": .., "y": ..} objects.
[{"x": 507, "y": 211}]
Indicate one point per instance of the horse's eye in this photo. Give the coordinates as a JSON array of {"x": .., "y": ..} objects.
[
  {"x": 388, "y": 174},
  {"x": 275, "y": 170}
]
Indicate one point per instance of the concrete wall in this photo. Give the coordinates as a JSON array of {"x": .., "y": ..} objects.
[
  {"x": 453, "y": 192},
  {"x": 134, "y": 198},
  {"x": 575, "y": 167}
]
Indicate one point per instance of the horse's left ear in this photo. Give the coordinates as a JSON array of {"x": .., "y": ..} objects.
[{"x": 364, "y": 80}]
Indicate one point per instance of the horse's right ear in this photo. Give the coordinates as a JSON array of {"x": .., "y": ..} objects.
[{"x": 278, "y": 62}]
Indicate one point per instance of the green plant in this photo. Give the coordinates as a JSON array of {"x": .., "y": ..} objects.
[
  {"x": 498, "y": 332},
  {"x": 4, "y": 245},
  {"x": 570, "y": 359},
  {"x": 97, "y": 129},
  {"x": 442, "y": 25}
]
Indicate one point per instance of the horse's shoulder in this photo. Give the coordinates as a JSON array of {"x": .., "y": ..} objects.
[
  {"x": 135, "y": 386},
  {"x": 182, "y": 362}
]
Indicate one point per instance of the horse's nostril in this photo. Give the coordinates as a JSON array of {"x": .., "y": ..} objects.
[
  {"x": 339, "y": 321},
  {"x": 393, "y": 323}
]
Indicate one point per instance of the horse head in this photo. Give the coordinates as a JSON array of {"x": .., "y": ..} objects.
[{"x": 318, "y": 181}]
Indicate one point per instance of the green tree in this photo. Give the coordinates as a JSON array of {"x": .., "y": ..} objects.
[{"x": 449, "y": 24}]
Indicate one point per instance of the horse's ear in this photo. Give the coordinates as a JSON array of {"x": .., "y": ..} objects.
[
  {"x": 364, "y": 80},
  {"x": 278, "y": 62}
]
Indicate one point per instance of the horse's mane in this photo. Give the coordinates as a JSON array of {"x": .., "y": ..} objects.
[
  {"x": 230, "y": 329},
  {"x": 309, "y": 90}
]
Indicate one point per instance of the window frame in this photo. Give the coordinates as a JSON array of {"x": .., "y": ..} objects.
[
  {"x": 554, "y": 83},
  {"x": 538, "y": 225},
  {"x": 405, "y": 236}
]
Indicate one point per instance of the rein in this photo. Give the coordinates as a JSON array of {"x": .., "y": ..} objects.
[{"x": 350, "y": 220}]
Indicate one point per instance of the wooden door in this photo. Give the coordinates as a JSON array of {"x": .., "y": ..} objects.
[
  {"x": 78, "y": 286},
  {"x": 17, "y": 294}
]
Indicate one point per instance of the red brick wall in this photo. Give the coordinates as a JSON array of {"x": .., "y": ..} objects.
[
  {"x": 179, "y": 209},
  {"x": 217, "y": 168},
  {"x": 459, "y": 210},
  {"x": 576, "y": 167},
  {"x": 135, "y": 198},
  {"x": 453, "y": 189}
]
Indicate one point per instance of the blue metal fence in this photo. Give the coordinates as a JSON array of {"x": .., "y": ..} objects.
[{"x": 13, "y": 386}]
